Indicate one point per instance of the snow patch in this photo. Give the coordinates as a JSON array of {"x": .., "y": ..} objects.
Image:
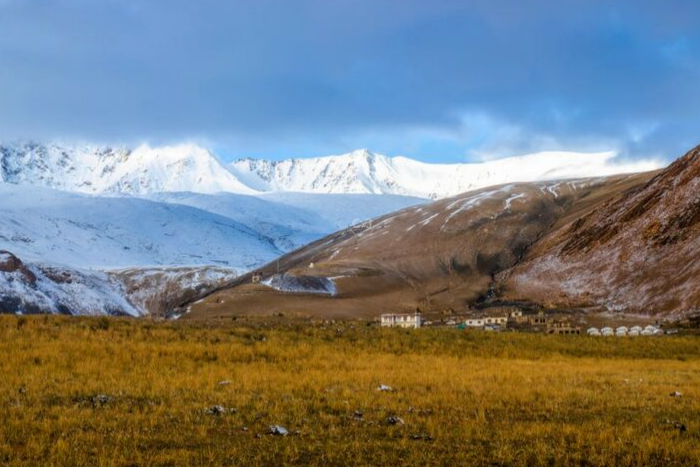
[{"x": 302, "y": 284}]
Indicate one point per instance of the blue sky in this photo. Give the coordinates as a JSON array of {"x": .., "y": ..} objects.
[{"x": 441, "y": 81}]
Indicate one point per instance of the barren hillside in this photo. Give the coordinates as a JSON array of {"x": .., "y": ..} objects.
[
  {"x": 444, "y": 255},
  {"x": 634, "y": 253}
]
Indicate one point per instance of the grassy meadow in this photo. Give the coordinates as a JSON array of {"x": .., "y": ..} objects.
[{"x": 459, "y": 398}]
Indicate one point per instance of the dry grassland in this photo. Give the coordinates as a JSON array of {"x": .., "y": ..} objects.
[{"x": 465, "y": 398}]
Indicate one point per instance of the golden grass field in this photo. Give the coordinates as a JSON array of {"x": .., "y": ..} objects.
[{"x": 467, "y": 398}]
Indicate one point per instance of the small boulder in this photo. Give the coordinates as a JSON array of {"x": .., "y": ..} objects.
[
  {"x": 278, "y": 430},
  {"x": 395, "y": 421},
  {"x": 215, "y": 410},
  {"x": 100, "y": 400},
  {"x": 680, "y": 427}
]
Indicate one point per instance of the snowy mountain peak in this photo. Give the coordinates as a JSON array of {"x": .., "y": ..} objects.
[
  {"x": 104, "y": 170},
  {"x": 362, "y": 154},
  {"x": 362, "y": 171},
  {"x": 192, "y": 168}
]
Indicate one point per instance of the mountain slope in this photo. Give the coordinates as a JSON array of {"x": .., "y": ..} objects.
[
  {"x": 38, "y": 288},
  {"x": 366, "y": 172},
  {"x": 291, "y": 220},
  {"x": 435, "y": 256},
  {"x": 172, "y": 229},
  {"x": 32, "y": 288},
  {"x": 635, "y": 253},
  {"x": 104, "y": 232}
]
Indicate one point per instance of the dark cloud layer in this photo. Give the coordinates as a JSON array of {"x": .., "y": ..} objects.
[{"x": 445, "y": 79}]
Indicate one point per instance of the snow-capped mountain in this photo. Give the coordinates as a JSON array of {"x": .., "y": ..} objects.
[
  {"x": 78, "y": 215},
  {"x": 191, "y": 168},
  {"x": 363, "y": 171},
  {"x": 104, "y": 170}
]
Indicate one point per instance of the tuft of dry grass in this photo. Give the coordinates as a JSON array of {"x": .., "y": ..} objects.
[{"x": 466, "y": 398}]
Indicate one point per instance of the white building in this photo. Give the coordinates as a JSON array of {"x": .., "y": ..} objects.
[
  {"x": 593, "y": 332},
  {"x": 607, "y": 331},
  {"x": 474, "y": 322},
  {"x": 401, "y": 320},
  {"x": 496, "y": 320}
]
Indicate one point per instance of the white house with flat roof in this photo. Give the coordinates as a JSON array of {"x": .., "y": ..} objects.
[{"x": 401, "y": 320}]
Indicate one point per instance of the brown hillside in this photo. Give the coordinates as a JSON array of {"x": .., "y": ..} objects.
[
  {"x": 634, "y": 253},
  {"x": 436, "y": 256}
]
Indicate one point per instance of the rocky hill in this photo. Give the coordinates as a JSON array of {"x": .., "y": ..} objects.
[
  {"x": 634, "y": 252},
  {"x": 33, "y": 288}
]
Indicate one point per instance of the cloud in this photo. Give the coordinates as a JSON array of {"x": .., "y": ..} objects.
[{"x": 466, "y": 79}]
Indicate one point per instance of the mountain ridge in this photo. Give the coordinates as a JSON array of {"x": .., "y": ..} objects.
[
  {"x": 117, "y": 171},
  {"x": 102, "y": 170},
  {"x": 363, "y": 171}
]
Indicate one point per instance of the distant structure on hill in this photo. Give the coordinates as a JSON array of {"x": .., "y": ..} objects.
[{"x": 401, "y": 320}]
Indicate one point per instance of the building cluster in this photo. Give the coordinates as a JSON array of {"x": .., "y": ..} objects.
[
  {"x": 624, "y": 331},
  {"x": 514, "y": 319}
]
